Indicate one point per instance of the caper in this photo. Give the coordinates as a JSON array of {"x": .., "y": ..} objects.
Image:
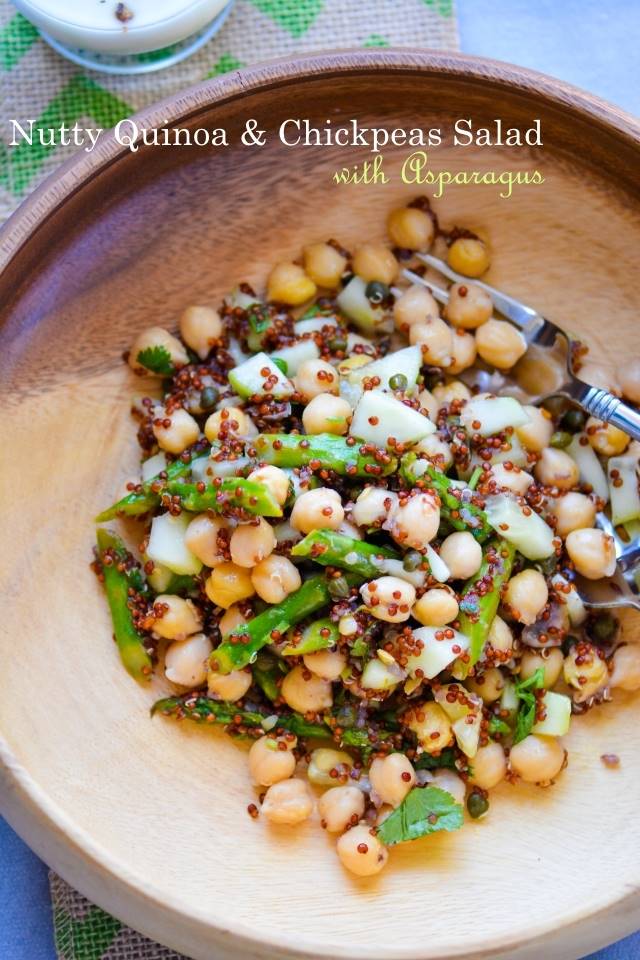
[
  {"x": 560, "y": 439},
  {"x": 573, "y": 420},
  {"x": 338, "y": 588},
  {"x": 477, "y": 804},
  {"x": 208, "y": 398},
  {"x": 412, "y": 560},
  {"x": 603, "y": 628},
  {"x": 376, "y": 292},
  {"x": 338, "y": 344},
  {"x": 398, "y": 381}
]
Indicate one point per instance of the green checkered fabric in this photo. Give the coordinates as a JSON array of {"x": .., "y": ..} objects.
[{"x": 38, "y": 84}]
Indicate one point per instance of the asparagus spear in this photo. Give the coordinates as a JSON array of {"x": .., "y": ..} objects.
[
  {"x": 239, "y": 647},
  {"x": 455, "y": 505},
  {"x": 324, "y": 450},
  {"x": 149, "y": 496},
  {"x": 481, "y": 598},
  {"x": 335, "y": 550},
  {"x": 252, "y": 496},
  {"x": 266, "y": 673},
  {"x": 203, "y": 709},
  {"x": 113, "y": 556}
]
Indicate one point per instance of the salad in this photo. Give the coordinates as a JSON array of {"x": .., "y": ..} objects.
[{"x": 353, "y": 542}]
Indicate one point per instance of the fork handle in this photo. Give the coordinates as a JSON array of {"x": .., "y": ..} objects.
[{"x": 605, "y": 406}]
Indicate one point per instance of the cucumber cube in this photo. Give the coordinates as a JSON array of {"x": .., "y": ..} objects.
[
  {"x": 379, "y": 416},
  {"x": 248, "y": 380}
]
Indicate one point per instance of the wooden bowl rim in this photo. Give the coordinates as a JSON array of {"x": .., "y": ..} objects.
[{"x": 36, "y": 815}]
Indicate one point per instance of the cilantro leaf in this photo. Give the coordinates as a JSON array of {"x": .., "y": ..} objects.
[
  {"x": 427, "y": 761},
  {"x": 423, "y": 811},
  {"x": 527, "y": 712},
  {"x": 258, "y": 317},
  {"x": 496, "y": 725},
  {"x": 157, "y": 359}
]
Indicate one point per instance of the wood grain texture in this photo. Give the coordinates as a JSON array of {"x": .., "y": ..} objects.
[{"x": 149, "y": 818}]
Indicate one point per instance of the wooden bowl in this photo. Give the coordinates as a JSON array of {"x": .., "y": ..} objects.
[{"x": 147, "y": 818}]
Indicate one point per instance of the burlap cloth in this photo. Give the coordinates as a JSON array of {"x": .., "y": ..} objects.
[{"x": 38, "y": 84}]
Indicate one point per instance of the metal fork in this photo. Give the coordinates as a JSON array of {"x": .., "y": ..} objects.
[{"x": 536, "y": 330}]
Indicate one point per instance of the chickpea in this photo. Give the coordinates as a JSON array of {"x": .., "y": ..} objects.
[
  {"x": 469, "y": 306},
  {"x": 469, "y": 256},
  {"x": 339, "y": 807},
  {"x": 450, "y": 782},
  {"x": 315, "y": 377},
  {"x": 229, "y": 687},
  {"x": 629, "y": 377},
  {"x": 415, "y": 305},
  {"x": 606, "y": 439},
  {"x": 361, "y": 852},
  {"x": 288, "y": 801},
  {"x": 392, "y": 778},
  {"x": 228, "y": 422},
  {"x": 181, "y": 432},
  {"x": 516, "y": 480},
  {"x": 324, "y": 762},
  {"x": 306, "y": 695},
  {"x": 585, "y": 671},
  {"x": 174, "y": 617},
  {"x": 488, "y": 685},
  {"x": 372, "y": 506},
  {"x": 536, "y": 434},
  {"x": 551, "y": 661},
  {"x": 436, "y": 608},
  {"x": 316, "y": 510},
  {"x": 411, "y": 229},
  {"x": 199, "y": 328},
  {"x": 462, "y": 554},
  {"x": 573, "y": 511},
  {"x": 275, "y": 480},
  {"x": 227, "y": 584},
  {"x": 271, "y": 759},
  {"x": 186, "y": 661},
  {"x": 327, "y": 414},
  {"x": 489, "y": 766},
  {"x": 203, "y": 538},
  {"x": 555, "y": 468},
  {"x": 324, "y": 264},
  {"x": 414, "y": 521},
  {"x": 527, "y": 595},
  {"x": 625, "y": 672},
  {"x": 274, "y": 578},
  {"x": 436, "y": 450},
  {"x": 429, "y": 403},
  {"x": 537, "y": 759},
  {"x": 288, "y": 283},
  {"x": 593, "y": 553},
  {"x": 230, "y": 619},
  {"x": 389, "y": 598},
  {"x": 431, "y": 725},
  {"x": 252, "y": 542},
  {"x": 374, "y": 261},
  {"x": 599, "y": 376},
  {"x": 327, "y": 664},
  {"x": 448, "y": 392},
  {"x": 436, "y": 339},
  {"x": 500, "y": 636},
  {"x": 464, "y": 352},
  {"x": 152, "y": 339},
  {"x": 500, "y": 344}
]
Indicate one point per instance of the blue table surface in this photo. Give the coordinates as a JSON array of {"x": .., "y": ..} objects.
[{"x": 533, "y": 33}]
